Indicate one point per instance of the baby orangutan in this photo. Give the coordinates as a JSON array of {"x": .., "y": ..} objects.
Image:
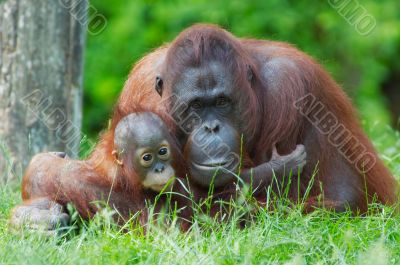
[
  {"x": 143, "y": 163},
  {"x": 142, "y": 148},
  {"x": 141, "y": 168}
]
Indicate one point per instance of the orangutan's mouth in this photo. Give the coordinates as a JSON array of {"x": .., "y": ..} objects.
[{"x": 212, "y": 165}]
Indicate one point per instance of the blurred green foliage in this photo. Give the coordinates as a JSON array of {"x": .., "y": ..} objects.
[{"x": 360, "y": 63}]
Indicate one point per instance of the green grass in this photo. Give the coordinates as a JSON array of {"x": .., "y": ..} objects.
[{"x": 283, "y": 236}]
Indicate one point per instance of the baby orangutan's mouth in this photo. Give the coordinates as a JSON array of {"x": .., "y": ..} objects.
[{"x": 159, "y": 187}]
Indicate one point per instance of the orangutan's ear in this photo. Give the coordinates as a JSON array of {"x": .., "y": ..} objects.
[
  {"x": 115, "y": 154},
  {"x": 250, "y": 74},
  {"x": 159, "y": 85}
]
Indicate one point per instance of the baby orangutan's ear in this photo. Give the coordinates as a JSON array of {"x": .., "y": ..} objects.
[{"x": 115, "y": 154}]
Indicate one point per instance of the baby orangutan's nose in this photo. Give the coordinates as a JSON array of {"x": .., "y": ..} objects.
[{"x": 159, "y": 168}]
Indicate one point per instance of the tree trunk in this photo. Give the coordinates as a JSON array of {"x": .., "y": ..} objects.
[{"x": 41, "y": 48}]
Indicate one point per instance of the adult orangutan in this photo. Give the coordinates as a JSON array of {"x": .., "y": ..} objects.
[
  {"x": 269, "y": 92},
  {"x": 215, "y": 85}
]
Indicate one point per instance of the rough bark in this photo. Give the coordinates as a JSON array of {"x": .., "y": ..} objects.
[{"x": 41, "y": 49}]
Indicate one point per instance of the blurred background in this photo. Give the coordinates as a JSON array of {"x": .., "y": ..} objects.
[{"x": 363, "y": 58}]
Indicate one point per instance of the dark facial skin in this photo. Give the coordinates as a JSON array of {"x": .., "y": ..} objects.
[
  {"x": 142, "y": 141},
  {"x": 213, "y": 154},
  {"x": 213, "y": 144},
  {"x": 204, "y": 105}
]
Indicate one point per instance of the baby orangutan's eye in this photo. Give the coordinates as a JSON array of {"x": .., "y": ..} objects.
[
  {"x": 147, "y": 157},
  {"x": 163, "y": 153},
  {"x": 147, "y": 160}
]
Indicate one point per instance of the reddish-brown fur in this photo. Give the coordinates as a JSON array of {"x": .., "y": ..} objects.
[
  {"x": 64, "y": 181},
  {"x": 282, "y": 75}
]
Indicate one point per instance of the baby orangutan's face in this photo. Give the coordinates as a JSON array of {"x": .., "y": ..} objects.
[
  {"x": 153, "y": 165},
  {"x": 142, "y": 145}
]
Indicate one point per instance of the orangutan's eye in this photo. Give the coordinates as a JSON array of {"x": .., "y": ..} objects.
[
  {"x": 163, "y": 153},
  {"x": 147, "y": 157},
  {"x": 147, "y": 160},
  {"x": 222, "y": 102},
  {"x": 196, "y": 104}
]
